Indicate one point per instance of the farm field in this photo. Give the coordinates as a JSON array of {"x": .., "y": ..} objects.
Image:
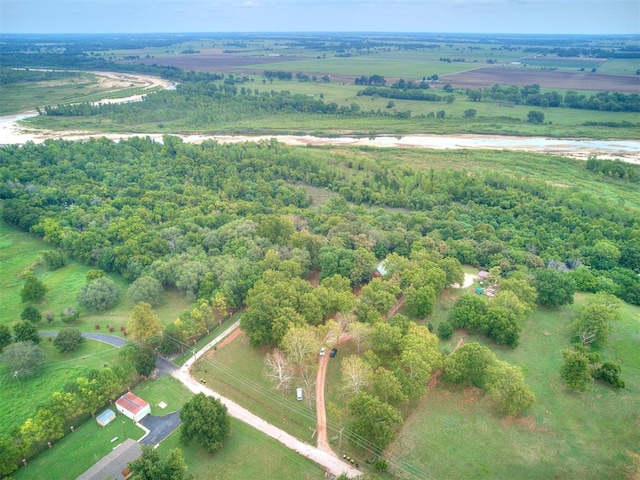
[{"x": 487, "y": 76}]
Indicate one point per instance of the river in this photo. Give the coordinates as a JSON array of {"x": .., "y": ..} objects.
[{"x": 12, "y": 132}]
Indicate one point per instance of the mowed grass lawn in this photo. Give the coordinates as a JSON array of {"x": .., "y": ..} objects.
[
  {"x": 19, "y": 399},
  {"x": 247, "y": 454},
  {"x": 455, "y": 432},
  {"x": 79, "y": 450},
  {"x": 236, "y": 371}
]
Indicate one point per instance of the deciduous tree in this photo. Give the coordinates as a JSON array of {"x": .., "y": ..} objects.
[
  {"x": 26, "y": 331},
  {"x": 554, "y": 288},
  {"x": 374, "y": 420},
  {"x": 356, "y": 374},
  {"x": 146, "y": 289},
  {"x": 144, "y": 324},
  {"x": 575, "y": 369},
  {"x": 279, "y": 370},
  {"x": 150, "y": 466},
  {"x": 68, "y": 340},
  {"x": 99, "y": 294},
  {"x": 506, "y": 386},
  {"x": 23, "y": 358},
  {"x": 205, "y": 420},
  {"x": 33, "y": 289}
]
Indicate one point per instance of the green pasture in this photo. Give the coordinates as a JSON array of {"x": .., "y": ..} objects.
[
  {"x": 19, "y": 251},
  {"x": 78, "y": 451},
  {"x": 387, "y": 66},
  {"x": 247, "y": 453},
  {"x": 85, "y": 88},
  {"x": 236, "y": 371},
  {"x": 19, "y": 398},
  {"x": 620, "y": 66},
  {"x": 455, "y": 433}
]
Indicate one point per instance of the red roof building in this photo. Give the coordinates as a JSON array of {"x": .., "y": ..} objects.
[{"x": 133, "y": 407}]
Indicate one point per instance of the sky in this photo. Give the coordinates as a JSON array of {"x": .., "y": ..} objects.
[{"x": 428, "y": 16}]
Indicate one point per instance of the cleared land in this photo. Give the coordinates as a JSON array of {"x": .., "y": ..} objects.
[{"x": 488, "y": 76}]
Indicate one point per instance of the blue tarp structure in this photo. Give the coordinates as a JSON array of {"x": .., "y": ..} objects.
[
  {"x": 106, "y": 417},
  {"x": 479, "y": 291}
]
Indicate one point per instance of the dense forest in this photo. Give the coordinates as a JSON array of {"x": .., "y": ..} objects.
[{"x": 202, "y": 217}]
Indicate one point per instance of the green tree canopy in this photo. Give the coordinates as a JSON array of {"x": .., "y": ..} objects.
[
  {"x": 146, "y": 289},
  {"x": 33, "y": 289},
  {"x": 575, "y": 369},
  {"x": 25, "y": 331},
  {"x": 68, "y": 340},
  {"x": 31, "y": 314},
  {"x": 554, "y": 288},
  {"x": 506, "y": 387},
  {"x": 374, "y": 420},
  {"x": 144, "y": 324},
  {"x": 151, "y": 466},
  {"x": 23, "y": 358},
  {"x": 99, "y": 294},
  {"x": 205, "y": 420}
]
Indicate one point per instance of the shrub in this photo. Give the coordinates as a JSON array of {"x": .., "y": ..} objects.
[
  {"x": 445, "y": 330},
  {"x": 31, "y": 313}
]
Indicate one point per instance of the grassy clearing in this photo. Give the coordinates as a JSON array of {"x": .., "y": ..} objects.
[
  {"x": 454, "y": 432},
  {"x": 236, "y": 371},
  {"x": 84, "y": 88},
  {"x": 164, "y": 389},
  {"x": 79, "y": 450},
  {"x": 20, "y": 251},
  {"x": 19, "y": 399},
  {"x": 246, "y": 454}
]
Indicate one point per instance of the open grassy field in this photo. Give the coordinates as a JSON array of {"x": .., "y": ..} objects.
[
  {"x": 19, "y": 251},
  {"x": 78, "y": 451},
  {"x": 164, "y": 389},
  {"x": 20, "y": 398},
  {"x": 247, "y": 453},
  {"x": 86, "y": 87},
  {"x": 454, "y": 432},
  {"x": 237, "y": 372}
]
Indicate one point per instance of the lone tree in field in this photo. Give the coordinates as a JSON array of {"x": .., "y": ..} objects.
[
  {"x": 205, "y": 420},
  {"x": 33, "y": 289},
  {"x": 575, "y": 369},
  {"x": 535, "y": 117},
  {"x": 68, "y": 340},
  {"x": 23, "y": 358},
  {"x": 143, "y": 358},
  {"x": 99, "y": 294},
  {"x": 144, "y": 323}
]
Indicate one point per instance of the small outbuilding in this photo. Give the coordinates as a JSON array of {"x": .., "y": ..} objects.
[
  {"x": 106, "y": 417},
  {"x": 132, "y": 406},
  {"x": 483, "y": 275}
]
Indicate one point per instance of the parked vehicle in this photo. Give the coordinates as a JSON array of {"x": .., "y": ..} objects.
[
  {"x": 333, "y": 353},
  {"x": 323, "y": 350},
  {"x": 299, "y": 395}
]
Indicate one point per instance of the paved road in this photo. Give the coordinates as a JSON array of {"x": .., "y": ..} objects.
[
  {"x": 100, "y": 337},
  {"x": 160, "y": 427}
]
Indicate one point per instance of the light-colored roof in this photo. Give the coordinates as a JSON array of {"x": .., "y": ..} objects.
[
  {"x": 382, "y": 270},
  {"x": 131, "y": 403},
  {"x": 105, "y": 416},
  {"x": 113, "y": 464}
]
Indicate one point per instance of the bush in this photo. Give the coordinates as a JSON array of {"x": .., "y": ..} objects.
[
  {"x": 69, "y": 314},
  {"x": 609, "y": 372},
  {"x": 31, "y": 313},
  {"x": 68, "y": 340},
  {"x": 53, "y": 259},
  {"x": 445, "y": 330}
]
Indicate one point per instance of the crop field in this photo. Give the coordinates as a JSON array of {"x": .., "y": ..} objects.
[{"x": 485, "y": 77}]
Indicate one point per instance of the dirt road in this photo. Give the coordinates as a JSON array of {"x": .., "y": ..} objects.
[{"x": 326, "y": 459}]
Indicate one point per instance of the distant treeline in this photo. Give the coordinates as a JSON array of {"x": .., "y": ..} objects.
[
  {"x": 623, "y": 52},
  {"x": 10, "y": 75},
  {"x": 531, "y": 95},
  {"x": 401, "y": 94}
]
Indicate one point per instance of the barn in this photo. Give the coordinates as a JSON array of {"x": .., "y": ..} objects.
[
  {"x": 133, "y": 407},
  {"x": 106, "y": 417}
]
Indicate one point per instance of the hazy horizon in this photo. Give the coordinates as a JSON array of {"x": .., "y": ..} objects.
[{"x": 529, "y": 17}]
